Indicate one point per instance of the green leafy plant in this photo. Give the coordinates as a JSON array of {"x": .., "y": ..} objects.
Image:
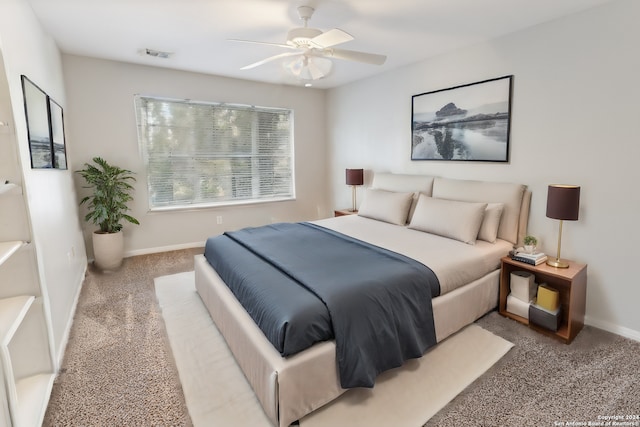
[
  {"x": 111, "y": 193},
  {"x": 530, "y": 241}
]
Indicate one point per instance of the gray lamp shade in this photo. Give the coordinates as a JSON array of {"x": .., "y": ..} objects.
[
  {"x": 563, "y": 202},
  {"x": 355, "y": 176}
]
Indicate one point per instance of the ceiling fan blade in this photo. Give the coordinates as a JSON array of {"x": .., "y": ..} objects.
[
  {"x": 271, "y": 58},
  {"x": 352, "y": 55},
  {"x": 265, "y": 43},
  {"x": 331, "y": 38}
]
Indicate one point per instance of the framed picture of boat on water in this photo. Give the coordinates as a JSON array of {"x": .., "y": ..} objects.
[{"x": 470, "y": 122}]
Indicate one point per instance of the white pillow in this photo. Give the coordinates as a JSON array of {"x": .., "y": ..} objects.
[
  {"x": 483, "y": 191},
  {"x": 491, "y": 222},
  {"x": 448, "y": 218},
  {"x": 401, "y": 183},
  {"x": 387, "y": 206}
]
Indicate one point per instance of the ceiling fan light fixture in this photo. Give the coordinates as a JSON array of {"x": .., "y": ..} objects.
[{"x": 307, "y": 68}]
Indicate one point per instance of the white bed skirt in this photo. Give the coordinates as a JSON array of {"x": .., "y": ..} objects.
[{"x": 290, "y": 388}]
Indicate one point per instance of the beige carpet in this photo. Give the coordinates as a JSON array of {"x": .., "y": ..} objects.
[{"x": 216, "y": 392}]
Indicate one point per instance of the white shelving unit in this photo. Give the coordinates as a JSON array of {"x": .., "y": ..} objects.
[
  {"x": 12, "y": 313},
  {"x": 25, "y": 354},
  {"x": 27, "y": 369},
  {"x": 7, "y": 249}
]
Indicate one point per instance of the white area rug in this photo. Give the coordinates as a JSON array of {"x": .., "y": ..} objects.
[{"x": 217, "y": 393}]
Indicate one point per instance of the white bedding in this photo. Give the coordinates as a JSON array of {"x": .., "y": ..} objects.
[{"x": 455, "y": 263}]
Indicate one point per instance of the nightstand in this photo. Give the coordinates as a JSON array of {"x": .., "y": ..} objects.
[
  {"x": 344, "y": 212},
  {"x": 571, "y": 284}
]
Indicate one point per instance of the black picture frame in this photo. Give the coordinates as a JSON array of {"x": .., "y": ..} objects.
[
  {"x": 470, "y": 122},
  {"x": 56, "y": 121},
  {"x": 36, "y": 108},
  {"x": 45, "y": 128}
]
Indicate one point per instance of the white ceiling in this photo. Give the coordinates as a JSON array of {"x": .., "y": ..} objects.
[{"x": 197, "y": 31}]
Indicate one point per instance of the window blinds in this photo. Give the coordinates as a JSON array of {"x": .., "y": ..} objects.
[{"x": 200, "y": 153}]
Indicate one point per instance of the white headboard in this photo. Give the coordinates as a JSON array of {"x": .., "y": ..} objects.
[{"x": 403, "y": 183}]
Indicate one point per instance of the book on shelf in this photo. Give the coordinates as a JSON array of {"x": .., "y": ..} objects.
[
  {"x": 535, "y": 255},
  {"x": 536, "y": 259}
]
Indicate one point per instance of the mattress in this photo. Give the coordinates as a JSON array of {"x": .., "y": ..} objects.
[
  {"x": 291, "y": 387},
  {"x": 379, "y": 300}
]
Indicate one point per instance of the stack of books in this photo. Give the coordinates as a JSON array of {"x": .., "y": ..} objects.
[{"x": 532, "y": 259}]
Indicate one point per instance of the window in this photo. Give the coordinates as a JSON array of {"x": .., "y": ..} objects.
[{"x": 207, "y": 154}]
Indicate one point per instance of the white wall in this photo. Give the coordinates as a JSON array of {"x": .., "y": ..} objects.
[
  {"x": 50, "y": 197},
  {"x": 574, "y": 120},
  {"x": 101, "y": 119}
]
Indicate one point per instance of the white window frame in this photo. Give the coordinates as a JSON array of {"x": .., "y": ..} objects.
[{"x": 174, "y": 152}]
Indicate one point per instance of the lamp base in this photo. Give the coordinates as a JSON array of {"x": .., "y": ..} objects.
[
  {"x": 353, "y": 198},
  {"x": 558, "y": 263}
]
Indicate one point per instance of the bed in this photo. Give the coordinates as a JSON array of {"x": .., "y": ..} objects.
[{"x": 458, "y": 228}]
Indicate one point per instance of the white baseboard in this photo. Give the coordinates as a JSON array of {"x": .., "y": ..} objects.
[
  {"x": 610, "y": 327},
  {"x": 67, "y": 330},
  {"x": 164, "y": 249}
]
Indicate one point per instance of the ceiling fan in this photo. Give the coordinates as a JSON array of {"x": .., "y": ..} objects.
[{"x": 313, "y": 48}]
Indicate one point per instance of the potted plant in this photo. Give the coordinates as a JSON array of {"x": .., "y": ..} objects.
[
  {"x": 530, "y": 243},
  {"x": 107, "y": 209}
]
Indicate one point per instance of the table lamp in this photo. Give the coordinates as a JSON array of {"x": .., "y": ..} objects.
[
  {"x": 355, "y": 177},
  {"x": 563, "y": 203}
]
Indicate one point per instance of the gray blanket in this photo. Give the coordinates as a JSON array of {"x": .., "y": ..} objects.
[{"x": 378, "y": 302}]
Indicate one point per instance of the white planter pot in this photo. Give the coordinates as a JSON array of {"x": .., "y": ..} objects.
[{"x": 108, "y": 250}]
